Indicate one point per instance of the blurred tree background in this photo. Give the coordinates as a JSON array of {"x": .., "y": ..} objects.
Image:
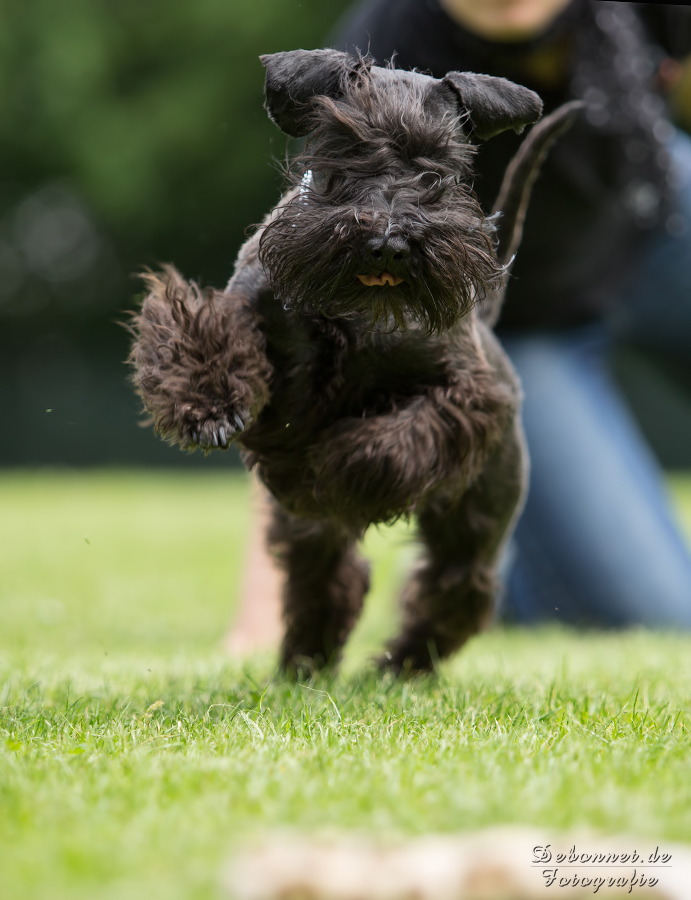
[{"x": 133, "y": 133}]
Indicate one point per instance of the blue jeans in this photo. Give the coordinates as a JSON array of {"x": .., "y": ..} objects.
[{"x": 598, "y": 543}]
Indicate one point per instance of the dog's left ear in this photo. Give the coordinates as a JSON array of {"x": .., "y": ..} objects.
[
  {"x": 295, "y": 77},
  {"x": 494, "y": 104}
]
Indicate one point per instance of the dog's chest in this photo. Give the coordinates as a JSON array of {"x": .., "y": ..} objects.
[
  {"x": 343, "y": 372},
  {"x": 326, "y": 370},
  {"x": 383, "y": 369}
]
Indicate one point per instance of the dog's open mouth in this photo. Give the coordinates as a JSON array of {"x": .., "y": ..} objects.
[{"x": 384, "y": 278}]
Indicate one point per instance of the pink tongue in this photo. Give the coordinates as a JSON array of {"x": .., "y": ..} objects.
[{"x": 384, "y": 278}]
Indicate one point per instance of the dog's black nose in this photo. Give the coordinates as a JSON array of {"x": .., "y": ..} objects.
[{"x": 387, "y": 253}]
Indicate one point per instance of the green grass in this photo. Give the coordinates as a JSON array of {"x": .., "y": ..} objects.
[{"x": 134, "y": 755}]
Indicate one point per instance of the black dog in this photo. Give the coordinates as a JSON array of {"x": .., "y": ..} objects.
[{"x": 351, "y": 355}]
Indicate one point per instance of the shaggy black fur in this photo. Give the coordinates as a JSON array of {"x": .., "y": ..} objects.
[{"x": 347, "y": 355}]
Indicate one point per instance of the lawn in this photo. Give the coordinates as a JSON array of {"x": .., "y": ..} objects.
[{"x": 134, "y": 756}]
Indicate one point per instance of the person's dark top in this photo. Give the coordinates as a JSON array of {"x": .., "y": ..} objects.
[{"x": 606, "y": 183}]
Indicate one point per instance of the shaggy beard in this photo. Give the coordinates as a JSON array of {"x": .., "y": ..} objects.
[{"x": 312, "y": 268}]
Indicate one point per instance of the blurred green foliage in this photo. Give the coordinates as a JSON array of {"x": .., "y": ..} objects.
[
  {"x": 131, "y": 133},
  {"x": 152, "y": 113}
]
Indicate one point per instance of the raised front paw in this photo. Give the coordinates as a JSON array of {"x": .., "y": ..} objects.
[
  {"x": 364, "y": 476},
  {"x": 211, "y": 429}
]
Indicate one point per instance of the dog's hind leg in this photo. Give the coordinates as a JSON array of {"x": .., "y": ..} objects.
[
  {"x": 452, "y": 595},
  {"x": 325, "y": 584}
]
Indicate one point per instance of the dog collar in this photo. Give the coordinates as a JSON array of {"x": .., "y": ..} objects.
[{"x": 305, "y": 185}]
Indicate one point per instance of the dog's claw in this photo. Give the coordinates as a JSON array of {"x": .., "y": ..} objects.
[{"x": 214, "y": 431}]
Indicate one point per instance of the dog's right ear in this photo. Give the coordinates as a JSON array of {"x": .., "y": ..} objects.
[{"x": 295, "y": 77}]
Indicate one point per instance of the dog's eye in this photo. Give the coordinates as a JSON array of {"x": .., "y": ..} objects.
[
  {"x": 319, "y": 180},
  {"x": 430, "y": 180},
  {"x": 326, "y": 182}
]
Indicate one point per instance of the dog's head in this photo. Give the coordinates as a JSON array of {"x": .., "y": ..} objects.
[{"x": 384, "y": 224}]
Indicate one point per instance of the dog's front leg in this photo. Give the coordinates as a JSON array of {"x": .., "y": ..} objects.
[
  {"x": 378, "y": 467},
  {"x": 374, "y": 468},
  {"x": 199, "y": 362}
]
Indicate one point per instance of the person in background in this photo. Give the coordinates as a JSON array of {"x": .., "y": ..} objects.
[{"x": 605, "y": 260}]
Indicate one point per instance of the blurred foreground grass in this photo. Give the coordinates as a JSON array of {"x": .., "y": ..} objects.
[{"x": 134, "y": 756}]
